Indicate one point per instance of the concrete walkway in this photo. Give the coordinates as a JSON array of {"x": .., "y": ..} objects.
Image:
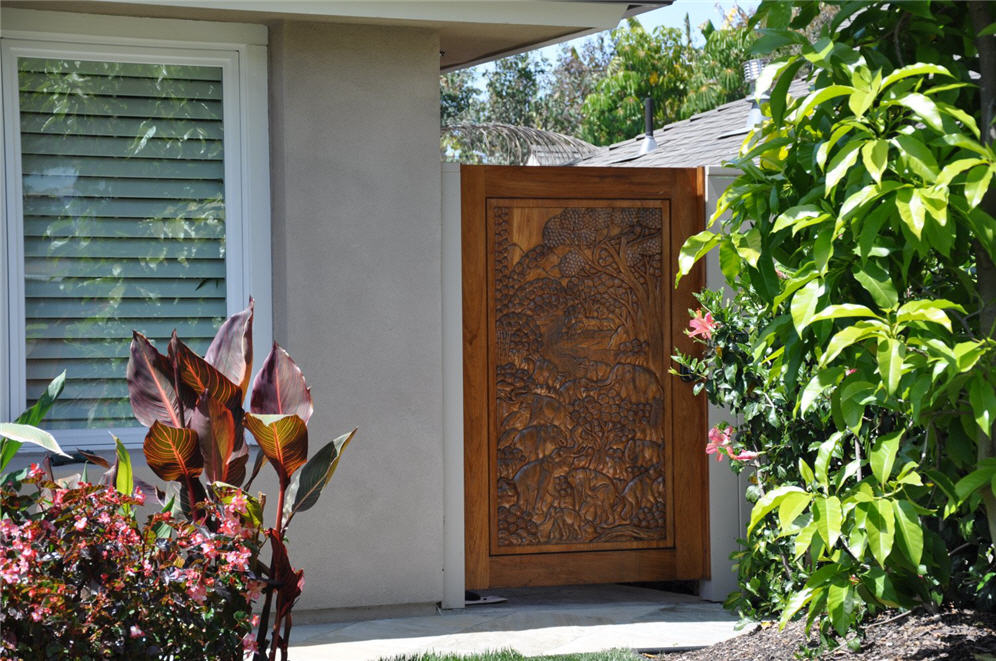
[{"x": 533, "y": 622}]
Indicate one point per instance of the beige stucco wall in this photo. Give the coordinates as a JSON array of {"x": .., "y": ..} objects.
[{"x": 354, "y": 128}]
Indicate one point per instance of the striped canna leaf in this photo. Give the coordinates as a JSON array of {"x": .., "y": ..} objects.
[
  {"x": 172, "y": 453},
  {"x": 280, "y": 387},
  {"x": 283, "y": 439},
  {"x": 230, "y": 351},
  {"x": 150, "y": 385},
  {"x": 220, "y": 441},
  {"x": 200, "y": 375}
]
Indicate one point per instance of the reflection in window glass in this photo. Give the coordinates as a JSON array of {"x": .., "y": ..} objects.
[{"x": 123, "y": 222}]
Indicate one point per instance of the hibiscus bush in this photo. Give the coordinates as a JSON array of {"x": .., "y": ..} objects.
[
  {"x": 761, "y": 435},
  {"x": 82, "y": 579}
]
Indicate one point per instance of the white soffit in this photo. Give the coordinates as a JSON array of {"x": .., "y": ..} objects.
[{"x": 470, "y": 31}]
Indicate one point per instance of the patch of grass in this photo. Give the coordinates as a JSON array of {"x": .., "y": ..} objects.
[{"x": 509, "y": 655}]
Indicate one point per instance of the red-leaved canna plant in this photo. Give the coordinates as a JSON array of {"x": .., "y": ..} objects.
[{"x": 193, "y": 407}]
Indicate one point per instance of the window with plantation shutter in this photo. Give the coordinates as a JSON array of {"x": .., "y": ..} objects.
[
  {"x": 122, "y": 170},
  {"x": 126, "y": 177}
]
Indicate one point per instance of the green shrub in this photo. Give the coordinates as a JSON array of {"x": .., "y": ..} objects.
[{"x": 863, "y": 226}]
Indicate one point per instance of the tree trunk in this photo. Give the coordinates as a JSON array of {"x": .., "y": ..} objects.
[{"x": 986, "y": 270}]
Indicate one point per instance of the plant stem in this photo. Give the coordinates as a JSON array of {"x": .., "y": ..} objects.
[
  {"x": 264, "y": 621},
  {"x": 986, "y": 45}
]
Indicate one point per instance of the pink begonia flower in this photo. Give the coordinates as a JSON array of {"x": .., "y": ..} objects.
[
  {"x": 81, "y": 524},
  {"x": 746, "y": 455},
  {"x": 135, "y": 632},
  {"x": 249, "y": 643},
  {"x": 701, "y": 326},
  {"x": 719, "y": 442},
  {"x": 849, "y": 371}
]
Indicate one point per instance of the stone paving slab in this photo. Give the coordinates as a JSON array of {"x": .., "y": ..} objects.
[{"x": 534, "y": 622}]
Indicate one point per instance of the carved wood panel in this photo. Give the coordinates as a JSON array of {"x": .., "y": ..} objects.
[{"x": 579, "y": 452}]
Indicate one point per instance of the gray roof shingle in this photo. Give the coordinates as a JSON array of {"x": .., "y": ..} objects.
[{"x": 706, "y": 139}]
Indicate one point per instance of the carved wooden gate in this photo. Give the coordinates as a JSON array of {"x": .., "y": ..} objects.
[{"x": 584, "y": 458}]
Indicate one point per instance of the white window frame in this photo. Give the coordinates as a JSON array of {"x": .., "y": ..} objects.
[{"x": 240, "y": 50}]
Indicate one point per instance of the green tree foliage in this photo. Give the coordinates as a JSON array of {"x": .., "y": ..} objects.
[
  {"x": 717, "y": 74},
  {"x": 458, "y": 102},
  {"x": 655, "y": 64},
  {"x": 513, "y": 89},
  {"x": 663, "y": 64},
  {"x": 574, "y": 77},
  {"x": 863, "y": 224}
]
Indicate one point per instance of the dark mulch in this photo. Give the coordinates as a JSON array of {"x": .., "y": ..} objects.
[{"x": 955, "y": 635}]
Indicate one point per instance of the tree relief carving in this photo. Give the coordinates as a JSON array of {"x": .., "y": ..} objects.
[{"x": 579, "y": 358}]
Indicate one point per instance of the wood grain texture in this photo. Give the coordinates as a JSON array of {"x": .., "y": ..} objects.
[
  {"x": 584, "y": 458},
  {"x": 579, "y": 361},
  {"x": 475, "y": 365}
]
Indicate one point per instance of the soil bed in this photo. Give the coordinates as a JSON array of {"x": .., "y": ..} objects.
[{"x": 955, "y": 635}]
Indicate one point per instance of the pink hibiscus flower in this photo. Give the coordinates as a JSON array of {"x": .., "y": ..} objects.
[
  {"x": 719, "y": 442},
  {"x": 701, "y": 326}
]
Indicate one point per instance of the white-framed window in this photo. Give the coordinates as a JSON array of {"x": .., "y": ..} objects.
[{"x": 136, "y": 197}]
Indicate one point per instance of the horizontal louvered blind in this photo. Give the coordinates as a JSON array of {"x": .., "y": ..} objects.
[{"x": 124, "y": 222}]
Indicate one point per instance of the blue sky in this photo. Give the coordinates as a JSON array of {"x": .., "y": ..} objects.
[{"x": 699, "y": 11}]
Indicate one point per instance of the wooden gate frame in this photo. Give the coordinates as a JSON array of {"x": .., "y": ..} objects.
[{"x": 689, "y": 558}]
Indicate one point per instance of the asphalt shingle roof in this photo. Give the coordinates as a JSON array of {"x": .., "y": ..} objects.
[{"x": 706, "y": 139}]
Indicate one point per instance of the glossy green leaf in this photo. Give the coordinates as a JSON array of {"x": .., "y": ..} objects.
[
  {"x": 880, "y": 585},
  {"x": 911, "y": 210},
  {"x": 953, "y": 169},
  {"x": 819, "y": 97},
  {"x": 841, "y": 164},
  {"x": 823, "y": 457},
  {"x": 803, "y": 305},
  {"x": 917, "y": 156},
  {"x": 874, "y": 156},
  {"x": 748, "y": 246},
  {"x": 918, "y": 69},
  {"x": 806, "y": 472},
  {"x": 823, "y": 151},
  {"x": 318, "y": 471},
  {"x": 729, "y": 261},
  {"x": 818, "y": 385},
  {"x": 846, "y": 338},
  {"x": 883, "y": 455},
  {"x": 803, "y": 540},
  {"x": 795, "y": 604},
  {"x": 30, "y": 434},
  {"x": 880, "y": 527},
  {"x": 842, "y": 311},
  {"x": 910, "y": 530},
  {"x": 977, "y": 184},
  {"x": 124, "y": 479},
  {"x": 840, "y": 605},
  {"x": 927, "y": 310},
  {"x": 828, "y": 518},
  {"x": 791, "y": 506},
  {"x": 975, "y": 480},
  {"x": 860, "y": 100},
  {"x": 983, "y": 400},
  {"x": 799, "y": 214},
  {"x": 878, "y": 282},
  {"x": 769, "y": 502},
  {"x": 890, "y": 354},
  {"x": 694, "y": 248},
  {"x": 924, "y": 108}
]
